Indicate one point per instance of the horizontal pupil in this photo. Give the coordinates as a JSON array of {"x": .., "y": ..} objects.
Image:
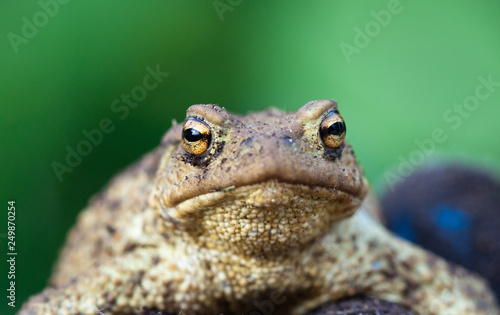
[
  {"x": 336, "y": 128},
  {"x": 192, "y": 135}
]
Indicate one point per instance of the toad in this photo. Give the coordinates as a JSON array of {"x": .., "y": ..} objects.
[{"x": 263, "y": 213}]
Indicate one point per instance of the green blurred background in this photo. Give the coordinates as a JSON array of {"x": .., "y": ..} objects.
[{"x": 244, "y": 55}]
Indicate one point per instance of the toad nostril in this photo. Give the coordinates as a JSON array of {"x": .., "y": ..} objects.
[
  {"x": 247, "y": 142},
  {"x": 287, "y": 140}
]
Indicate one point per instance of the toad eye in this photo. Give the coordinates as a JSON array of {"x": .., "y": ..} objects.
[
  {"x": 332, "y": 130},
  {"x": 196, "y": 136}
]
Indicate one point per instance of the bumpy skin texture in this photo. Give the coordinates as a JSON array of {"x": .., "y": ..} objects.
[{"x": 268, "y": 218}]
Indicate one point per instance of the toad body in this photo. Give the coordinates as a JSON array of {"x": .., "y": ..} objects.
[{"x": 257, "y": 214}]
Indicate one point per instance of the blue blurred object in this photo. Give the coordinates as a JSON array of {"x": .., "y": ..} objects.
[
  {"x": 403, "y": 225},
  {"x": 453, "y": 211},
  {"x": 454, "y": 228}
]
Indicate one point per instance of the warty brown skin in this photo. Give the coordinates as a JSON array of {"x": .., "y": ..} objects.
[{"x": 268, "y": 216}]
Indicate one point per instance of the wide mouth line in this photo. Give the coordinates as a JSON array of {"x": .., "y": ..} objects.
[
  {"x": 278, "y": 182},
  {"x": 265, "y": 182}
]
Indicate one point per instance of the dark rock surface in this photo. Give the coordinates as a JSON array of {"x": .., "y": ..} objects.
[
  {"x": 362, "y": 306},
  {"x": 358, "y": 305}
]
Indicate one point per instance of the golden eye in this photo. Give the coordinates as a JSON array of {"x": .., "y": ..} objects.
[
  {"x": 196, "y": 136},
  {"x": 332, "y": 130}
]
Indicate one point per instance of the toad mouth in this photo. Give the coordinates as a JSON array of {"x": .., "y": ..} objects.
[{"x": 211, "y": 194}]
